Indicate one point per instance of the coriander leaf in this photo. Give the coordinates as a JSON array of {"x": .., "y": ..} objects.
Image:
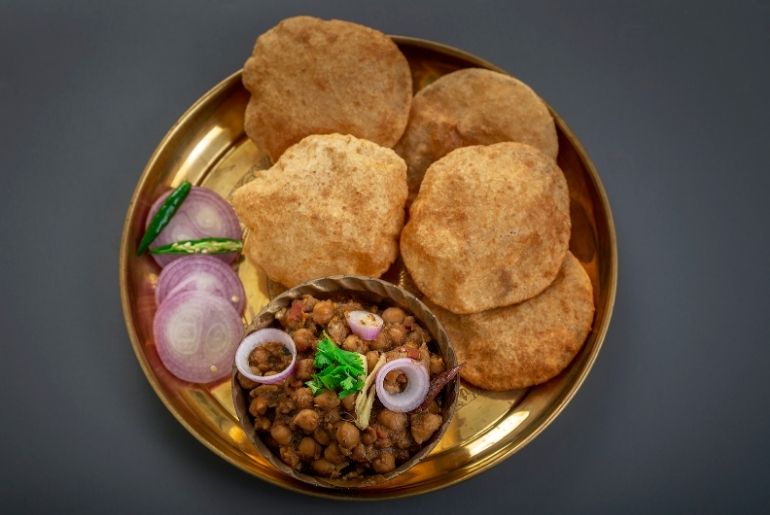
[
  {"x": 336, "y": 369},
  {"x": 314, "y": 385},
  {"x": 347, "y": 383},
  {"x": 321, "y": 360},
  {"x": 329, "y": 381}
]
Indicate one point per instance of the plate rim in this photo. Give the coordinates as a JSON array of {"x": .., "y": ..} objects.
[{"x": 485, "y": 463}]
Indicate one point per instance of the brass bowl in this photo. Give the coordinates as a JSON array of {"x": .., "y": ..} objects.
[{"x": 374, "y": 291}]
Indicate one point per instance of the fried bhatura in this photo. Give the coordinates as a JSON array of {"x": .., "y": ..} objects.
[
  {"x": 332, "y": 204},
  {"x": 312, "y": 76},
  {"x": 490, "y": 227},
  {"x": 527, "y": 343},
  {"x": 473, "y": 106}
]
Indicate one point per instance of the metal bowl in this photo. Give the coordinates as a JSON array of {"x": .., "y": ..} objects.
[{"x": 369, "y": 290}]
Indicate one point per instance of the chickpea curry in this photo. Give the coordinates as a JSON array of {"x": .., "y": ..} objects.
[{"x": 324, "y": 418}]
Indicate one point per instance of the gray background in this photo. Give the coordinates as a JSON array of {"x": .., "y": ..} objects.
[{"x": 669, "y": 98}]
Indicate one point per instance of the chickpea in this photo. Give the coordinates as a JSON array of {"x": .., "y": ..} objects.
[
  {"x": 285, "y": 406},
  {"x": 402, "y": 440},
  {"x": 332, "y": 454},
  {"x": 397, "y": 334},
  {"x": 369, "y": 436},
  {"x": 353, "y": 343},
  {"x": 393, "y": 315},
  {"x": 327, "y": 400},
  {"x": 303, "y": 398},
  {"x": 295, "y": 383},
  {"x": 416, "y": 337},
  {"x": 321, "y": 436},
  {"x": 331, "y": 418},
  {"x": 281, "y": 434},
  {"x": 348, "y": 435},
  {"x": 385, "y": 462},
  {"x": 258, "y": 405},
  {"x": 436, "y": 364},
  {"x": 392, "y": 383},
  {"x": 323, "y": 312},
  {"x": 383, "y": 438},
  {"x": 289, "y": 457},
  {"x": 307, "y": 448},
  {"x": 424, "y": 425},
  {"x": 307, "y": 420},
  {"x": 305, "y": 369},
  {"x": 259, "y": 358},
  {"x": 349, "y": 402},
  {"x": 267, "y": 390},
  {"x": 381, "y": 342},
  {"x": 245, "y": 382},
  {"x": 392, "y": 420},
  {"x": 359, "y": 453},
  {"x": 338, "y": 330},
  {"x": 371, "y": 359},
  {"x": 324, "y": 468},
  {"x": 303, "y": 339}
]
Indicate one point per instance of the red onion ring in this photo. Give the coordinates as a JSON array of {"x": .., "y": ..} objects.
[
  {"x": 201, "y": 273},
  {"x": 364, "y": 324},
  {"x": 418, "y": 383},
  {"x": 203, "y": 214},
  {"x": 196, "y": 335},
  {"x": 258, "y": 339}
]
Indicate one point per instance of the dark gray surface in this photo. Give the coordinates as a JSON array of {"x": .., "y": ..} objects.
[{"x": 671, "y": 101}]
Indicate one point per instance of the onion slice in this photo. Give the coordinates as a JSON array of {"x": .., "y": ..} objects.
[
  {"x": 364, "y": 324},
  {"x": 258, "y": 339},
  {"x": 201, "y": 273},
  {"x": 203, "y": 214},
  {"x": 418, "y": 383},
  {"x": 196, "y": 335}
]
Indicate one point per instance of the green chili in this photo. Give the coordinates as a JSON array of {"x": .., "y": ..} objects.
[
  {"x": 202, "y": 246},
  {"x": 164, "y": 214}
]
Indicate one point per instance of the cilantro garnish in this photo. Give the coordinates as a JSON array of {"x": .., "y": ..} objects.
[{"x": 336, "y": 369}]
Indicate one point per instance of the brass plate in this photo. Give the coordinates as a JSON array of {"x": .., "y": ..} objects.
[{"x": 208, "y": 147}]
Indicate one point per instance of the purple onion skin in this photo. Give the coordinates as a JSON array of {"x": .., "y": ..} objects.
[
  {"x": 361, "y": 330},
  {"x": 418, "y": 384},
  {"x": 257, "y": 339}
]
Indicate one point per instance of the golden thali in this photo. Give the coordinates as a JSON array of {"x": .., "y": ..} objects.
[{"x": 208, "y": 147}]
